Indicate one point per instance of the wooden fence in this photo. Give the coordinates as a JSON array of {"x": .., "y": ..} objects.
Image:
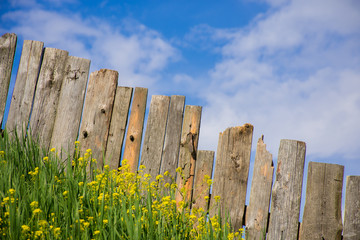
[{"x": 49, "y": 97}]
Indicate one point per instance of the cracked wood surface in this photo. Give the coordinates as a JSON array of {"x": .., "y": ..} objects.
[
  {"x": 258, "y": 209},
  {"x": 118, "y": 123},
  {"x": 24, "y": 90},
  {"x": 47, "y": 94},
  {"x": 7, "y": 53},
  {"x": 286, "y": 192},
  {"x": 97, "y": 112},
  {"x": 231, "y": 172},
  {"x": 352, "y": 209}
]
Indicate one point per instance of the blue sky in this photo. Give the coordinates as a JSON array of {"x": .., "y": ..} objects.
[{"x": 289, "y": 67}]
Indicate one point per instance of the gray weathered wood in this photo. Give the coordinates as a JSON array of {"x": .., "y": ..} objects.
[
  {"x": 24, "y": 90},
  {"x": 71, "y": 101},
  {"x": 97, "y": 112},
  {"x": 286, "y": 192},
  {"x": 118, "y": 126},
  {"x": 7, "y": 53},
  {"x": 135, "y": 128},
  {"x": 47, "y": 94},
  {"x": 231, "y": 172},
  {"x": 352, "y": 209},
  {"x": 172, "y": 137},
  {"x": 258, "y": 209},
  {"x": 155, "y": 134},
  {"x": 204, "y": 166},
  {"x": 188, "y": 151},
  {"x": 322, "y": 211}
]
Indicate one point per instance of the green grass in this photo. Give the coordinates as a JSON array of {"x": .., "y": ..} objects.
[{"x": 43, "y": 199}]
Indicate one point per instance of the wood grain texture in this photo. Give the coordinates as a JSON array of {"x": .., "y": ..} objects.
[
  {"x": 135, "y": 128},
  {"x": 171, "y": 149},
  {"x": 7, "y": 53},
  {"x": 322, "y": 212},
  {"x": 259, "y": 204},
  {"x": 47, "y": 94},
  {"x": 188, "y": 151},
  {"x": 286, "y": 192},
  {"x": 71, "y": 101},
  {"x": 231, "y": 172},
  {"x": 204, "y": 166},
  {"x": 352, "y": 209},
  {"x": 97, "y": 112},
  {"x": 24, "y": 90},
  {"x": 154, "y": 135},
  {"x": 118, "y": 126}
]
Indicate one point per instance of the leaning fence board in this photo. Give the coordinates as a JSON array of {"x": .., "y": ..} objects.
[
  {"x": 155, "y": 135},
  {"x": 119, "y": 119},
  {"x": 188, "y": 150},
  {"x": 172, "y": 137},
  {"x": 97, "y": 112},
  {"x": 352, "y": 209},
  {"x": 322, "y": 211},
  {"x": 204, "y": 167},
  {"x": 24, "y": 90},
  {"x": 135, "y": 128},
  {"x": 258, "y": 209},
  {"x": 47, "y": 94},
  {"x": 7, "y": 53},
  {"x": 231, "y": 172},
  {"x": 286, "y": 192},
  {"x": 71, "y": 100}
]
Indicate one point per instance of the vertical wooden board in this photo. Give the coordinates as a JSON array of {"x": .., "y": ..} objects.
[
  {"x": 188, "y": 151},
  {"x": 97, "y": 112},
  {"x": 286, "y": 192},
  {"x": 118, "y": 126},
  {"x": 155, "y": 134},
  {"x": 7, "y": 53},
  {"x": 135, "y": 128},
  {"x": 204, "y": 166},
  {"x": 258, "y": 209},
  {"x": 322, "y": 211},
  {"x": 172, "y": 137},
  {"x": 352, "y": 209},
  {"x": 71, "y": 100},
  {"x": 231, "y": 172},
  {"x": 24, "y": 90},
  {"x": 47, "y": 94}
]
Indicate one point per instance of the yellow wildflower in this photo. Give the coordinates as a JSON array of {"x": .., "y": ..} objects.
[
  {"x": 52, "y": 150},
  {"x": 25, "y": 228}
]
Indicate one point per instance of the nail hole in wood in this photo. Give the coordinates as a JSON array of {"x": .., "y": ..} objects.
[{"x": 132, "y": 138}]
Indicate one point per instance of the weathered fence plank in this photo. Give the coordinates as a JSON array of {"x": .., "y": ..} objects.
[
  {"x": 97, "y": 112},
  {"x": 258, "y": 210},
  {"x": 204, "y": 166},
  {"x": 7, "y": 53},
  {"x": 322, "y": 211},
  {"x": 118, "y": 126},
  {"x": 352, "y": 209},
  {"x": 71, "y": 100},
  {"x": 155, "y": 135},
  {"x": 231, "y": 172},
  {"x": 135, "y": 128},
  {"x": 172, "y": 137},
  {"x": 286, "y": 192},
  {"x": 47, "y": 94},
  {"x": 24, "y": 90},
  {"x": 188, "y": 151}
]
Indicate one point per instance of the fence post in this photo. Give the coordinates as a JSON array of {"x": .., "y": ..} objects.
[
  {"x": 322, "y": 212},
  {"x": 118, "y": 123},
  {"x": 258, "y": 210},
  {"x": 7, "y": 53},
  {"x": 47, "y": 95},
  {"x": 352, "y": 209},
  {"x": 24, "y": 90},
  {"x": 231, "y": 172},
  {"x": 286, "y": 192}
]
